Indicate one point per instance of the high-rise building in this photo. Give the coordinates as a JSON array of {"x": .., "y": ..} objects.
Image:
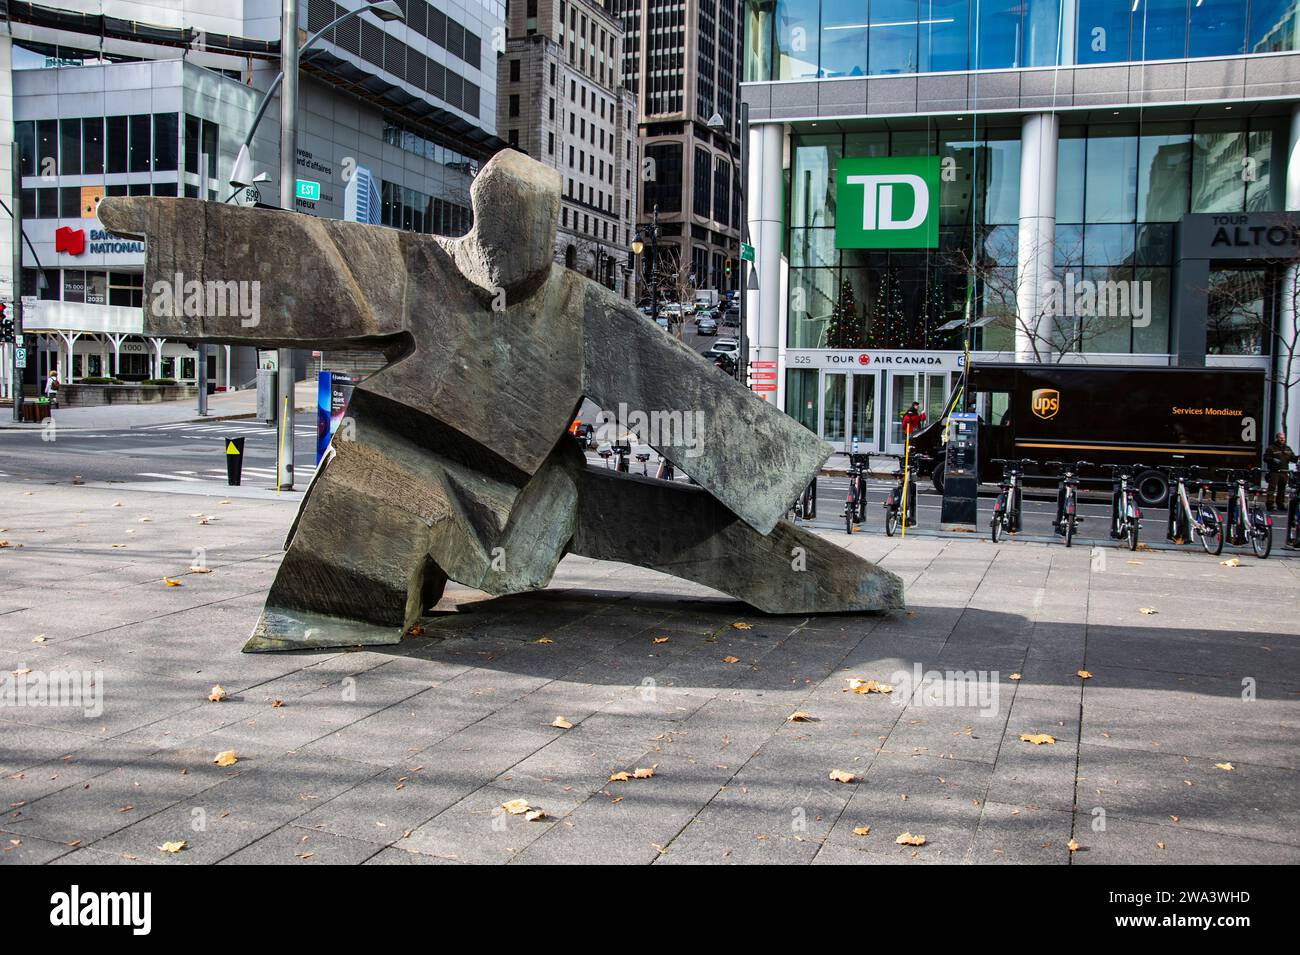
[
  {"x": 561, "y": 100},
  {"x": 1037, "y": 174},
  {"x": 681, "y": 58},
  {"x": 394, "y": 119}
]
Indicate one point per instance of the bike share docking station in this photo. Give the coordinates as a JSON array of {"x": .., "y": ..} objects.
[{"x": 961, "y": 472}]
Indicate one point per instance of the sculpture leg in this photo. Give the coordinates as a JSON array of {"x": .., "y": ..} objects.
[{"x": 683, "y": 531}]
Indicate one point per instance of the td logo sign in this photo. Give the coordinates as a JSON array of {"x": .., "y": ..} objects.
[{"x": 888, "y": 203}]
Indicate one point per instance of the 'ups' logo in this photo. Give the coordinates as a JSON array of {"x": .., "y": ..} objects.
[{"x": 1045, "y": 402}]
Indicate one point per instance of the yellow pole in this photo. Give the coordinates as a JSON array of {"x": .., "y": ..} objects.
[
  {"x": 279, "y": 447},
  {"x": 907, "y": 457}
]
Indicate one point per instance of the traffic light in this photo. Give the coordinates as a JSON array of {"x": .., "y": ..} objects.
[
  {"x": 6, "y": 324},
  {"x": 726, "y": 268}
]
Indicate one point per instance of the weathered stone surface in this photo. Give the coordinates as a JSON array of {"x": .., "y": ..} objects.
[{"x": 456, "y": 463}]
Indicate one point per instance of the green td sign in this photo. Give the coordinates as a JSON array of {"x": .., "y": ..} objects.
[{"x": 887, "y": 203}]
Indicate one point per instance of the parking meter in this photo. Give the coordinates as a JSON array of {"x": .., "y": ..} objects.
[{"x": 961, "y": 470}]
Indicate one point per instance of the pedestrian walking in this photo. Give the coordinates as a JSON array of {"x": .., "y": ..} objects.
[
  {"x": 1278, "y": 458},
  {"x": 913, "y": 419},
  {"x": 52, "y": 388}
]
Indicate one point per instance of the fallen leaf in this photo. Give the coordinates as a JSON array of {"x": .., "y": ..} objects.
[
  {"x": 840, "y": 776},
  {"x": 862, "y": 831},
  {"x": 561, "y": 723},
  {"x": 1038, "y": 739},
  {"x": 1148, "y": 610},
  {"x": 544, "y": 640},
  {"x": 125, "y": 808},
  {"x": 743, "y": 626},
  {"x": 1231, "y": 562},
  {"x": 658, "y": 640},
  {"x": 1015, "y": 678},
  {"x": 39, "y": 639},
  {"x": 869, "y": 686},
  {"x": 22, "y": 672},
  {"x": 416, "y": 631},
  {"x": 516, "y": 807},
  {"x": 172, "y": 583},
  {"x": 174, "y": 847},
  {"x": 277, "y": 703},
  {"x": 534, "y": 815},
  {"x": 731, "y": 659},
  {"x": 644, "y": 772},
  {"x": 907, "y": 839},
  {"x": 1072, "y": 845},
  {"x": 200, "y": 570},
  {"x": 621, "y": 776},
  {"x": 1226, "y": 767},
  {"x": 228, "y": 758},
  {"x": 1160, "y": 845},
  {"x": 1175, "y": 818},
  {"x": 799, "y": 716},
  {"x": 1084, "y": 675},
  {"x": 217, "y": 693}
]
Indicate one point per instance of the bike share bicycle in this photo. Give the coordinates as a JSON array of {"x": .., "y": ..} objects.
[
  {"x": 855, "y": 499},
  {"x": 1068, "y": 518},
  {"x": 1248, "y": 521},
  {"x": 894, "y": 499},
  {"x": 1193, "y": 520},
  {"x": 1006, "y": 509},
  {"x": 1125, "y": 514},
  {"x": 804, "y": 507},
  {"x": 1293, "y": 508}
]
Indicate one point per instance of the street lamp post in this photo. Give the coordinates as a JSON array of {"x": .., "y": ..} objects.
[
  {"x": 718, "y": 126},
  {"x": 638, "y": 245}
]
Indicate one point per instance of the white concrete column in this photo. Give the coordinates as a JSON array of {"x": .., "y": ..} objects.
[
  {"x": 117, "y": 355},
  {"x": 1039, "y": 133},
  {"x": 764, "y": 190},
  {"x": 1288, "y": 349},
  {"x": 65, "y": 367},
  {"x": 227, "y": 348},
  {"x": 157, "y": 360}
]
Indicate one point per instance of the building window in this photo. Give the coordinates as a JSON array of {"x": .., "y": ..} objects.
[
  {"x": 514, "y": 104},
  {"x": 514, "y": 71}
]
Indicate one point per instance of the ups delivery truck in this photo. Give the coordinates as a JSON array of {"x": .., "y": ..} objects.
[{"x": 1112, "y": 414}]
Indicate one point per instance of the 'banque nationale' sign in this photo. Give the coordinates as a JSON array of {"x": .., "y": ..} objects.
[
  {"x": 887, "y": 203},
  {"x": 1239, "y": 235}
]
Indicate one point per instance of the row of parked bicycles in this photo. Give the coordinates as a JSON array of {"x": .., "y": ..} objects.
[
  {"x": 855, "y": 499},
  {"x": 1193, "y": 516}
]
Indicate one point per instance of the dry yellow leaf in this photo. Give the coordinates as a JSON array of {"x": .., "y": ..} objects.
[
  {"x": 561, "y": 723},
  {"x": 1072, "y": 846},
  {"x": 840, "y": 776},
  {"x": 1226, "y": 767},
  {"x": 217, "y": 693},
  {"x": 799, "y": 716},
  {"x": 1160, "y": 845},
  {"x": 544, "y": 640},
  {"x": 516, "y": 807},
  {"x": 621, "y": 776},
  {"x": 1148, "y": 610},
  {"x": 869, "y": 686},
  {"x": 228, "y": 758},
  {"x": 23, "y": 671},
  {"x": 533, "y": 815},
  {"x": 658, "y": 640},
  {"x": 1015, "y": 678},
  {"x": 644, "y": 772},
  {"x": 172, "y": 583},
  {"x": 1038, "y": 739},
  {"x": 39, "y": 639},
  {"x": 907, "y": 839},
  {"x": 862, "y": 831},
  {"x": 1231, "y": 562},
  {"x": 196, "y": 569},
  {"x": 1083, "y": 675},
  {"x": 174, "y": 847},
  {"x": 277, "y": 703},
  {"x": 742, "y": 626},
  {"x": 731, "y": 659}
]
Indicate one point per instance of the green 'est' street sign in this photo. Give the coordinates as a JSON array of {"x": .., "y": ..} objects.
[
  {"x": 746, "y": 252},
  {"x": 887, "y": 203},
  {"x": 308, "y": 190}
]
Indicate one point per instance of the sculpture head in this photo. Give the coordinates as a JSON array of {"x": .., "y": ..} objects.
[{"x": 516, "y": 209}]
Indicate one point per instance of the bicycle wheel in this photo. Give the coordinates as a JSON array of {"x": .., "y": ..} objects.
[
  {"x": 1211, "y": 533},
  {"x": 1131, "y": 533},
  {"x": 848, "y": 517},
  {"x": 1261, "y": 533},
  {"x": 891, "y": 521},
  {"x": 1069, "y": 530},
  {"x": 999, "y": 513}
]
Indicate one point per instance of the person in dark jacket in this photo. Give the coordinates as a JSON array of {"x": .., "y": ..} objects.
[{"x": 1277, "y": 459}]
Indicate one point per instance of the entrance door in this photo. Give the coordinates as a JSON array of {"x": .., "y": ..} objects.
[
  {"x": 928, "y": 389},
  {"x": 834, "y": 404},
  {"x": 863, "y": 412}
]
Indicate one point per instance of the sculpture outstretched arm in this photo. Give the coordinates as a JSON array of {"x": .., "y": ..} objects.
[
  {"x": 223, "y": 273},
  {"x": 742, "y": 450}
]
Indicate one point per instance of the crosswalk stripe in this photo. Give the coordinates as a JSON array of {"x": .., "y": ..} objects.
[{"x": 167, "y": 477}]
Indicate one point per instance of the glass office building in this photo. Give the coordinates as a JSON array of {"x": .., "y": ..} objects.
[{"x": 1072, "y": 145}]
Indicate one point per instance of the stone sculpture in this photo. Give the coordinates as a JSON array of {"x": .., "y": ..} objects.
[{"x": 455, "y": 460}]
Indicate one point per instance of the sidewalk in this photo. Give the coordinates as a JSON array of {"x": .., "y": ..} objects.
[
  {"x": 1178, "y": 744},
  {"x": 227, "y": 404}
]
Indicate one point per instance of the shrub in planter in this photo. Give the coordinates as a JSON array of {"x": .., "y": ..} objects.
[
  {"x": 99, "y": 381},
  {"x": 159, "y": 382}
]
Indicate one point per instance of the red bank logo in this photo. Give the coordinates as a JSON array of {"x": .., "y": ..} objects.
[{"x": 69, "y": 240}]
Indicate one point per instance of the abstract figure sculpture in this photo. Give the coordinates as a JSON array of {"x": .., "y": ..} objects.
[{"x": 456, "y": 462}]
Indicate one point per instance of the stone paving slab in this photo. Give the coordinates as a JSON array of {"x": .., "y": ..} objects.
[{"x": 405, "y": 755}]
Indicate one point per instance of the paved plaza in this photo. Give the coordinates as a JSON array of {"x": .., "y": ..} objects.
[{"x": 1180, "y": 746}]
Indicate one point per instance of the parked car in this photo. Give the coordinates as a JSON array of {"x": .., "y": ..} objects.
[
  {"x": 662, "y": 322},
  {"x": 706, "y": 326},
  {"x": 724, "y": 346},
  {"x": 731, "y": 315}
]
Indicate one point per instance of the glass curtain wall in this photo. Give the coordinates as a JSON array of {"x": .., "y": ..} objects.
[{"x": 797, "y": 39}]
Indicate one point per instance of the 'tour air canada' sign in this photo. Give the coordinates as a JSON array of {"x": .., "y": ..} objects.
[{"x": 887, "y": 203}]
